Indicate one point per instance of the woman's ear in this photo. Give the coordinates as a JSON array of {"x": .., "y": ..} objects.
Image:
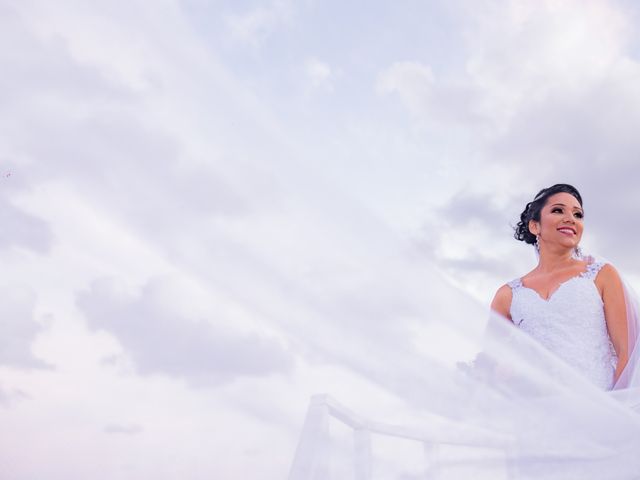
[{"x": 534, "y": 227}]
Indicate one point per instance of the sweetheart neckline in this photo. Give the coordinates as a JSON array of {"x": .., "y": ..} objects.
[
  {"x": 548, "y": 299},
  {"x": 552, "y": 294},
  {"x": 590, "y": 272}
]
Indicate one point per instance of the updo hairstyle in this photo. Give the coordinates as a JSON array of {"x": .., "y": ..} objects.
[{"x": 533, "y": 209}]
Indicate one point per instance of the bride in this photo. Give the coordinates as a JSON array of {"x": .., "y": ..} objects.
[
  {"x": 556, "y": 302},
  {"x": 552, "y": 392}
]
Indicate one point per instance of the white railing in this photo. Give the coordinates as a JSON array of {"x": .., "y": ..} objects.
[{"x": 311, "y": 461}]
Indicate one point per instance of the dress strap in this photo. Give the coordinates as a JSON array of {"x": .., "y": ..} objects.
[
  {"x": 515, "y": 284},
  {"x": 592, "y": 270}
]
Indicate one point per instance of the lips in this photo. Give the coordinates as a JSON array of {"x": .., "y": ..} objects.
[{"x": 567, "y": 230}]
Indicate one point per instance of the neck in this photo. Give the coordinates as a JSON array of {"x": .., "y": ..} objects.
[{"x": 553, "y": 260}]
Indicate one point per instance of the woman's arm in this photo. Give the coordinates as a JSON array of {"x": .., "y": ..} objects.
[
  {"x": 502, "y": 302},
  {"x": 615, "y": 311}
]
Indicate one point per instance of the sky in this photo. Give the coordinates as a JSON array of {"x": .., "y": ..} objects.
[{"x": 213, "y": 210}]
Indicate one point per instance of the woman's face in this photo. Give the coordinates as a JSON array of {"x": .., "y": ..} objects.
[{"x": 561, "y": 221}]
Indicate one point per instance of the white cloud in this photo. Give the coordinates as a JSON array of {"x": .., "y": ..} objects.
[
  {"x": 9, "y": 397},
  {"x": 520, "y": 51},
  {"x": 18, "y": 328},
  {"x": 256, "y": 25},
  {"x": 21, "y": 229},
  {"x": 519, "y": 54},
  {"x": 413, "y": 81},
  {"x": 320, "y": 74},
  {"x": 428, "y": 97},
  {"x": 160, "y": 340}
]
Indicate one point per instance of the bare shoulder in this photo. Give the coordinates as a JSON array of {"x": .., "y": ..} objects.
[
  {"x": 608, "y": 277},
  {"x": 502, "y": 301},
  {"x": 608, "y": 271}
]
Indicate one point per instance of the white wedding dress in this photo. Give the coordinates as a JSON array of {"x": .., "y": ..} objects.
[
  {"x": 530, "y": 401},
  {"x": 570, "y": 323}
]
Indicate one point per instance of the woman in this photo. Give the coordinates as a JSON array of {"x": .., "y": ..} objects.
[{"x": 556, "y": 302}]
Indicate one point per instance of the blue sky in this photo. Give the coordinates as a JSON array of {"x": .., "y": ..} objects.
[{"x": 202, "y": 201}]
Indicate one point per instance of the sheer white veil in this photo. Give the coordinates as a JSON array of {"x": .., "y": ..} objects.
[
  {"x": 627, "y": 387},
  {"x": 450, "y": 375}
]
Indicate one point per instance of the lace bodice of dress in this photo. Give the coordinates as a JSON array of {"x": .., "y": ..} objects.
[{"x": 571, "y": 323}]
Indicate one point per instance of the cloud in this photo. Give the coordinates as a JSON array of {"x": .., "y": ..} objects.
[
  {"x": 471, "y": 239},
  {"x": 19, "y": 228},
  {"x": 10, "y": 397},
  {"x": 426, "y": 96},
  {"x": 518, "y": 51},
  {"x": 77, "y": 127},
  {"x": 18, "y": 329},
  {"x": 163, "y": 341},
  {"x": 517, "y": 54},
  {"x": 473, "y": 218},
  {"x": 42, "y": 70},
  {"x": 466, "y": 208},
  {"x": 413, "y": 81},
  {"x": 82, "y": 122},
  {"x": 255, "y": 26},
  {"x": 134, "y": 170},
  {"x": 320, "y": 74}
]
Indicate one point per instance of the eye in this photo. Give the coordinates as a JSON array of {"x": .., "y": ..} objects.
[
  {"x": 556, "y": 210},
  {"x": 579, "y": 215}
]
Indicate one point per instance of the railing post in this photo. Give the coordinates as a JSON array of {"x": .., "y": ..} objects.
[
  {"x": 431, "y": 460},
  {"x": 311, "y": 461},
  {"x": 363, "y": 459}
]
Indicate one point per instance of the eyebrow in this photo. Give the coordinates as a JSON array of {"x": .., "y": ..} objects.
[{"x": 563, "y": 205}]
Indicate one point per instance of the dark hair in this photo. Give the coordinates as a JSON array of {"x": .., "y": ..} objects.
[{"x": 533, "y": 208}]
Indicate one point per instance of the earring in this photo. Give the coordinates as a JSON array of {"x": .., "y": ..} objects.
[
  {"x": 577, "y": 253},
  {"x": 537, "y": 244}
]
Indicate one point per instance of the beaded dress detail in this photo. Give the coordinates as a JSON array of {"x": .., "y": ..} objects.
[{"x": 570, "y": 323}]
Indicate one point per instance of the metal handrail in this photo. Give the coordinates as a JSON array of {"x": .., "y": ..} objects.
[{"x": 311, "y": 458}]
